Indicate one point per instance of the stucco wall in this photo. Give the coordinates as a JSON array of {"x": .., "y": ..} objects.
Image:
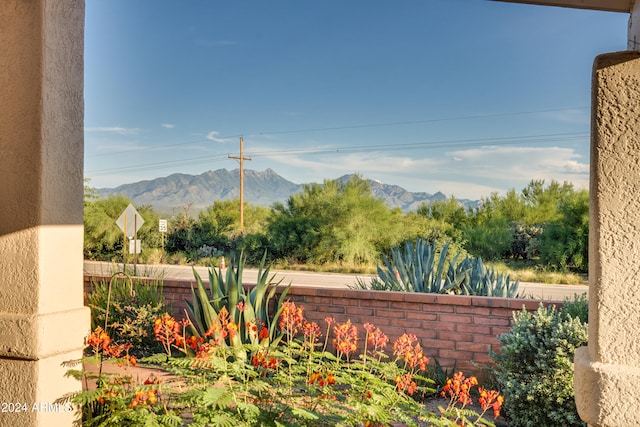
[{"x": 42, "y": 317}]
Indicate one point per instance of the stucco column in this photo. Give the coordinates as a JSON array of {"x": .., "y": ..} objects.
[
  {"x": 42, "y": 318},
  {"x": 607, "y": 372}
]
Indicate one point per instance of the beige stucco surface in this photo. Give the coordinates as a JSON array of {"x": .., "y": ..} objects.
[
  {"x": 607, "y": 371},
  {"x": 42, "y": 318}
]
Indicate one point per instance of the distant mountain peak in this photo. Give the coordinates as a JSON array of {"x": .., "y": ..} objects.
[{"x": 262, "y": 188}]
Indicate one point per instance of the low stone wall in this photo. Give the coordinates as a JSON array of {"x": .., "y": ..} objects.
[{"x": 457, "y": 330}]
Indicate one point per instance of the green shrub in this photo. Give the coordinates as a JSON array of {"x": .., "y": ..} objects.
[
  {"x": 578, "y": 308},
  {"x": 133, "y": 306},
  {"x": 535, "y": 368}
]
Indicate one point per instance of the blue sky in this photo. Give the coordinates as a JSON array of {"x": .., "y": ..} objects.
[{"x": 460, "y": 96}]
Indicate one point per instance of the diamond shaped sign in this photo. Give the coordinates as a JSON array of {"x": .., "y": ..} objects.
[{"x": 130, "y": 221}]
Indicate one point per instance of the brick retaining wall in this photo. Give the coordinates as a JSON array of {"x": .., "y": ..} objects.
[{"x": 457, "y": 330}]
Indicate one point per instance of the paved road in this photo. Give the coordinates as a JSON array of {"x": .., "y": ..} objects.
[{"x": 311, "y": 279}]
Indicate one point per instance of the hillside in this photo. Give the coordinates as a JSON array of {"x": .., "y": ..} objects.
[{"x": 261, "y": 188}]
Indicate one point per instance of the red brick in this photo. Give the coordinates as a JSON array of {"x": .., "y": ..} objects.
[
  {"x": 455, "y": 318},
  {"x": 328, "y": 292},
  {"x": 497, "y": 331},
  {"x": 457, "y": 337},
  {"x": 466, "y": 366},
  {"x": 453, "y": 299},
  {"x": 393, "y": 331},
  {"x": 329, "y": 308},
  {"x": 360, "y": 311},
  {"x": 418, "y": 315},
  {"x": 446, "y": 329},
  {"x": 486, "y": 339},
  {"x": 475, "y": 347},
  {"x": 491, "y": 302},
  {"x": 472, "y": 329},
  {"x": 395, "y": 314},
  {"x": 529, "y": 304},
  {"x": 318, "y": 300},
  {"x": 448, "y": 344},
  {"x": 387, "y": 295},
  {"x": 477, "y": 311},
  {"x": 345, "y": 301},
  {"x": 412, "y": 306},
  {"x": 411, "y": 324},
  {"x": 425, "y": 334},
  {"x": 482, "y": 358},
  {"x": 299, "y": 290},
  {"x": 435, "y": 308},
  {"x": 375, "y": 304},
  {"x": 380, "y": 322},
  {"x": 490, "y": 321},
  {"x": 447, "y": 364},
  {"x": 455, "y": 354}
]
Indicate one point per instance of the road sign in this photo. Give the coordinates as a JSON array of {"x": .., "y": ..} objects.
[
  {"x": 163, "y": 226},
  {"x": 134, "y": 246},
  {"x": 130, "y": 221}
]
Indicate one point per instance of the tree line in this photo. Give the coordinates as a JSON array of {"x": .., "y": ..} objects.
[{"x": 341, "y": 222}]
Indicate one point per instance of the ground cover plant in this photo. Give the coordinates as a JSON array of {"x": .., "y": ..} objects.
[
  {"x": 308, "y": 375},
  {"x": 248, "y": 358}
]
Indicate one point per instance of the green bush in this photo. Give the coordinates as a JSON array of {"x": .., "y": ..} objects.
[
  {"x": 133, "y": 307},
  {"x": 535, "y": 368},
  {"x": 578, "y": 308}
]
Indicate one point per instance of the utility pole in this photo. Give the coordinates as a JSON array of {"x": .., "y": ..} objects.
[{"x": 241, "y": 158}]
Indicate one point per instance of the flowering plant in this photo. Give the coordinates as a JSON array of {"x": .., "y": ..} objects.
[
  {"x": 458, "y": 390},
  {"x": 310, "y": 376}
]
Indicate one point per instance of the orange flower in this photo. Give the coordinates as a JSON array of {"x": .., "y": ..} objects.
[
  {"x": 311, "y": 332},
  {"x": 264, "y": 332},
  {"x": 99, "y": 340},
  {"x": 329, "y": 379},
  {"x": 490, "y": 399},
  {"x": 375, "y": 337},
  {"x": 291, "y": 318},
  {"x": 408, "y": 349},
  {"x": 262, "y": 360},
  {"x": 142, "y": 398},
  {"x": 458, "y": 387},
  {"x": 405, "y": 383},
  {"x": 346, "y": 338}
]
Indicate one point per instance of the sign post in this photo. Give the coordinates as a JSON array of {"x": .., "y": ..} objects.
[
  {"x": 130, "y": 222},
  {"x": 162, "y": 227}
]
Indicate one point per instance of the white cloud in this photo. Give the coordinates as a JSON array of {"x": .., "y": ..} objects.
[
  {"x": 213, "y": 136},
  {"x": 113, "y": 129},
  {"x": 168, "y": 126},
  {"x": 516, "y": 166}
]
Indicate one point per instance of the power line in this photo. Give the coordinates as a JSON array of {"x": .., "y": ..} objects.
[
  {"x": 332, "y": 128},
  {"x": 427, "y": 145}
]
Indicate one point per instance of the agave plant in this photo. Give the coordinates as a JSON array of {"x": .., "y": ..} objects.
[
  {"x": 416, "y": 268},
  {"x": 245, "y": 308},
  {"x": 420, "y": 267}
]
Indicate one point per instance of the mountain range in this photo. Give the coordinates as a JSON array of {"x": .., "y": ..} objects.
[{"x": 261, "y": 188}]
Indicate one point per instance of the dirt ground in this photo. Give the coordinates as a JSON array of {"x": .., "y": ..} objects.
[{"x": 432, "y": 405}]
